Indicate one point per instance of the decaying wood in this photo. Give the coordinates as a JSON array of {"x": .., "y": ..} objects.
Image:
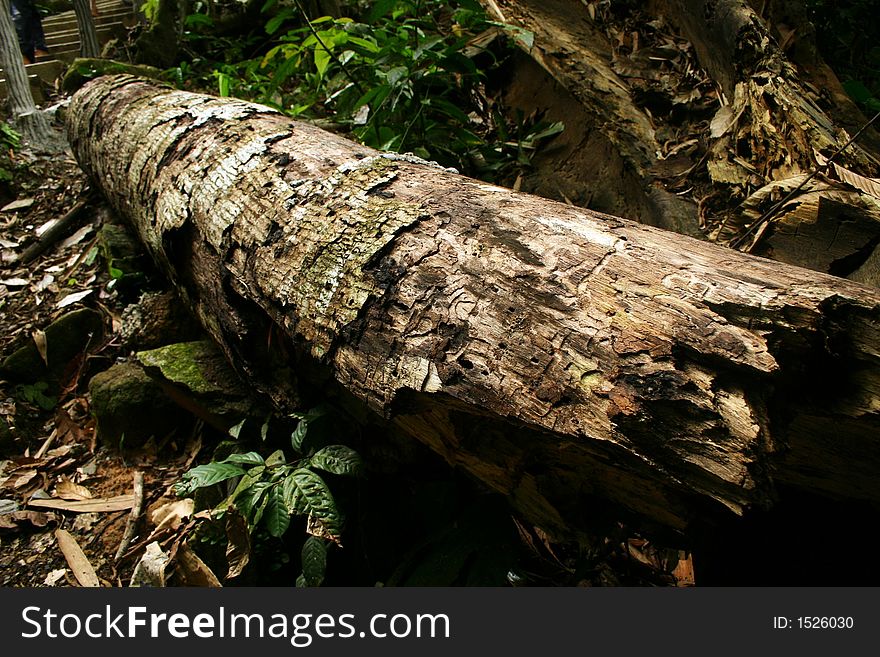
[
  {"x": 559, "y": 355},
  {"x": 769, "y": 126},
  {"x": 70, "y": 220}
]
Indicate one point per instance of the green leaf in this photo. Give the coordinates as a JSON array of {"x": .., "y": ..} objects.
[
  {"x": 277, "y": 516},
  {"x": 206, "y": 475},
  {"x": 314, "y": 561},
  {"x": 319, "y": 499},
  {"x": 244, "y": 483},
  {"x": 223, "y": 85},
  {"x": 338, "y": 459},
  {"x": 252, "y": 502},
  {"x": 276, "y": 458},
  {"x": 196, "y": 20},
  {"x": 277, "y": 20},
  {"x": 369, "y": 46},
  {"x": 549, "y": 131},
  {"x": 250, "y": 458},
  {"x": 322, "y": 60},
  {"x": 380, "y": 9},
  {"x": 236, "y": 430},
  {"x": 299, "y": 434},
  {"x": 301, "y": 582},
  {"x": 293, "y": 498}
]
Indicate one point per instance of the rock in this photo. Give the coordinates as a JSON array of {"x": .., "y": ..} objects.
[
  {"x": 127, "y": 401},
  {"x": 201, "y": 370},
  {"x": 158, "y": 319},
  {"x": 66, "y": 338}
]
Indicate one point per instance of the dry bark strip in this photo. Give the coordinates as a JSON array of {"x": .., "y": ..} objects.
[{"x": 559, "y": 355}]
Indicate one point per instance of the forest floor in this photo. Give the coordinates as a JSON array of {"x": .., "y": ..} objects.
[{"x": 49, "y": 451}]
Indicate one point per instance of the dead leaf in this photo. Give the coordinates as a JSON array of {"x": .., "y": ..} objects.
[
  {"x": 17, "y": 204},
  {"x": 77, "y": 237},
  {"x": 16, "y": 520},
  {"x": 44, "y": 228},
  {"x": 44, "y": 282},
  {"x": 722, "y": 122},
  {"x": 870, "y": 186},
  {"x": 67, "y": 490},
  {"x": 77, "y": 560},
  {"x": 192, "y": 571},
  {"x": 73, "y": 298},
  {"x": 23, "y": 479},
  {"x": 684, "y": 571},
  {"x": 15, "y": 281},
  {"x": 171, "y": 515},
  {"x": 104, "y": 504},
  {"x": 238, "y": 548},
  {"x": 55, "y": 576},
  {"x": 150, "y": 570},
  {"x": 42, "y": 346}
]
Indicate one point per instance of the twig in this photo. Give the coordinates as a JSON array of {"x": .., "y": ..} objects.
[
  {"x": 133, "y": 516},
  {"x": 55, "y": 233},
  {"x": 775, "y": 208},
  {"x": 46, "y": 445}
]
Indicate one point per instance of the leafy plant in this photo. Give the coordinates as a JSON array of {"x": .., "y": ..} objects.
[
  {"x": 36, "y": 394},
  {"x": 10, "y": 141},
  {"x": 269, "y": 491},
  {"x": 409, "y": 76}
]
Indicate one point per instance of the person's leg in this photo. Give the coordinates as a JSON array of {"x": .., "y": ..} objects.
[
  {"x": 40, "y": 47},
  {"x": 21, "y": 11}
]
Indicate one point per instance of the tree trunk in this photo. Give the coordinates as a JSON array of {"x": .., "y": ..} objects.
[
  {"x": 30, "y": 122},
  {"x": 88, "y": 37},
  {"x": 557, "y": 354},
  {"x": 688, "y": 114}
]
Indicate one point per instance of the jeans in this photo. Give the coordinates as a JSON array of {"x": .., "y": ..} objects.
[{"x": 29, "y": 27}]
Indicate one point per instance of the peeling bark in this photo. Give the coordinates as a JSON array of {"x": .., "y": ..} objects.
[{"x": 559, "y": 355}]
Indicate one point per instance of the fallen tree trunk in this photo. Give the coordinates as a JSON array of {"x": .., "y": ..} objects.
[{"x": 557, "y": 354}]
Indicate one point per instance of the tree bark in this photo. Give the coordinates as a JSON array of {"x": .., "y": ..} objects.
[
  {"x": 32, "y": 124},
  {"x": 559, "y": 355},
  {"x": 702, "y": 142},
  {"x": 88, "y": 36}
]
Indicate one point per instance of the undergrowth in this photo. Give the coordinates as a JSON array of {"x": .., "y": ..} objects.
[{"x": 397, "y": 75}]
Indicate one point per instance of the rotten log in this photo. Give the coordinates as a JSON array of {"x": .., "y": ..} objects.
[{"x": 559, "y": 355}]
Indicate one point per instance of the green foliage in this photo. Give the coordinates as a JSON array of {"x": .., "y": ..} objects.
[
  {"x": 36, "y": 394},
  {"x": 407, "y": 77},
  {"x": 10, "y": 141},
  {"x": 150, "y": 9},
  {"x": 9, "y": 138},
  {"x": 314, "y": 561},
  {"x": 269, "y": 491}
]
